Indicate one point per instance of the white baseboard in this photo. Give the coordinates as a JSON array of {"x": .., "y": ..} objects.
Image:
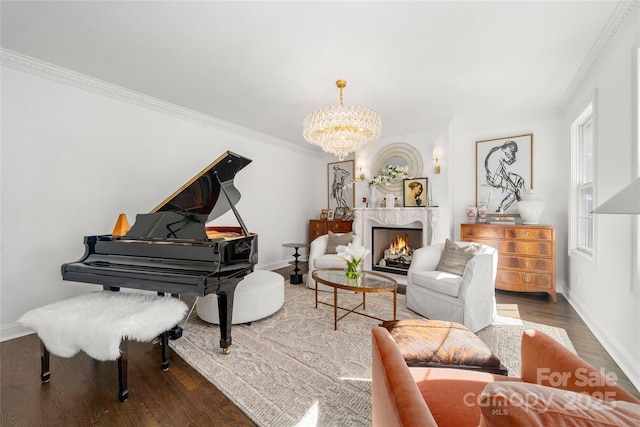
[
  {"x": 14, "y": 330},
  {"x": 625, "y": 361}
]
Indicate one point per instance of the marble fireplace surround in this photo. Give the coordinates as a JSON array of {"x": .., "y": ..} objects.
[{"x": 428, "y": 219}]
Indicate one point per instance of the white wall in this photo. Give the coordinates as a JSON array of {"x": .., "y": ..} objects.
[
  {"x": 550, "y": 172},
  {"x": 424, "y": 140},
  {"x": 73, "y": 159},
  {"x": 601, "y": 292}
]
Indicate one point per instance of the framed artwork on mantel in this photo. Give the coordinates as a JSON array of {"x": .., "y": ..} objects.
[
  {"x": 340, "y": 193},
  {"x": 504, "y": 172},
  {"x": 414, "y": 192}
]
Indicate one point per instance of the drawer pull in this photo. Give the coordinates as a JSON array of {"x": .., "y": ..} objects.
[
  {"x": 528, "y": 234},
  {"x": 527, "y": 264},
  {"x": 527, "y": 279},
  {"x": 528, "y": 248}
]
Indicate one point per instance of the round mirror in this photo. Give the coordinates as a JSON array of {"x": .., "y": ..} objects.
[{"x": 401, "y": 154}]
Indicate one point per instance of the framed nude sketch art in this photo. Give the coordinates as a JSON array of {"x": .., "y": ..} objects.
[
  {"x": 340, "y": 193},
  {"x": 504, "y": 172}
]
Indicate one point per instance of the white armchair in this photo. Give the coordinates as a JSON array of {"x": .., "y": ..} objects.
[
  {"x": 468, "y": 299},
  {"x": 318, "y": 258}
]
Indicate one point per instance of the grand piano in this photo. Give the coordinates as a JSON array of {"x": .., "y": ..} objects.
[{"x": 171, "y": 250}]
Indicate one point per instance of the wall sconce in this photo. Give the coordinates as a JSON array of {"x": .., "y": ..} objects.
[
  {"x": 362, "y": 175},
  {"x": 436, "y": 158}
]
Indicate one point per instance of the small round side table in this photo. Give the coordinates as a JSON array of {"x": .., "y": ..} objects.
[{"x": 296, "y": 277}]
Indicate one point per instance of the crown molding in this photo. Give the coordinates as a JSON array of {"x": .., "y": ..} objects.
[
  {"x": 508, "y": 121},
  {"x": 424, "y": 124},
  {"x": 49, "y": 71},
  {"x": 623, "y": 13}
]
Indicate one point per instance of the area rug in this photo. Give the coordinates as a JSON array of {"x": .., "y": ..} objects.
[{"x": 294, "y": 369}]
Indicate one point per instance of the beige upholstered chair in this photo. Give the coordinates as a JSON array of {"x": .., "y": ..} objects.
[
  {"x": 319, "y": 258},
  {"x": 468, "y": 298}
]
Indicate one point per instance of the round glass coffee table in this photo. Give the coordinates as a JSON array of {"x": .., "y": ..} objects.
[{"x": 369, "y": 282}]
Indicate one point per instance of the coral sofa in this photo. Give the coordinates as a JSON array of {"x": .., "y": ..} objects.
[{"x": 556, "y": 388}]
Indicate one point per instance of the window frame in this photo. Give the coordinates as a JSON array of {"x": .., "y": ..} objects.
[{"x": 586, "y": 116}]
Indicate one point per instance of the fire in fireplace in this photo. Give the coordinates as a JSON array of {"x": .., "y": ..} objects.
[
  {"x": 392, "y": 248},
  {"x": 399, "y": 254}
]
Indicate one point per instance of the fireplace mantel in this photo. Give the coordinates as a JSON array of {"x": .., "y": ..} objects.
[{"x": 426, "y": 218}]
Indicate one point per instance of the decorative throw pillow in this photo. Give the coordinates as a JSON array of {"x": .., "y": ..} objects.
[
  {"x": 336, "y": 240},
  {"x": 454, "y": 258}
]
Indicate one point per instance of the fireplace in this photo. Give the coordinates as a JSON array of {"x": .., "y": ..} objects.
[
  {"x": 425, "y": 219},
  {"x": 392, "y": 248}
]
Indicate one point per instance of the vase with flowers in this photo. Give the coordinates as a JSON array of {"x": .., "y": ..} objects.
[
  {"x": 387, "y": 175},
  {"x": 354, "y": 255}
]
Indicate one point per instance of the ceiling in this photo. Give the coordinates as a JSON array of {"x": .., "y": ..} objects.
[{"x": 265, "y": 65}]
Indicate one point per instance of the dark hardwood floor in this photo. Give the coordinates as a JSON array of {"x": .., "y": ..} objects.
[{"x": 83, "y": 392}]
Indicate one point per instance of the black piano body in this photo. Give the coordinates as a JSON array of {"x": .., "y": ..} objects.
[{"x": 171, "y": 250}]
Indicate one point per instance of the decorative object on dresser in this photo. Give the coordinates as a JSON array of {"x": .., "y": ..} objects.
[
  {"x": 530, "y": 208},
  {"x": 340, "y": 193},
  {"x": 482, "y": 210},
  {"x": 471, "y": 212},
  {"x": 318, "y": 227},
  {"x": 340, "y": 212},
  {"x": 415, "y": 192},
  {"x": 526, "y": 254},
  {"x": 505, "y": 164}
]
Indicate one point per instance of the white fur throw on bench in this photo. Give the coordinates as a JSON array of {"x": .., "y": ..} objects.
[{"x": 97, "y": 322}]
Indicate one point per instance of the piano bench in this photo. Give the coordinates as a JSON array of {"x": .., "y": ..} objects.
[
  {"x": 101, "y": 324},
  {"x": 258, "y": 295}
]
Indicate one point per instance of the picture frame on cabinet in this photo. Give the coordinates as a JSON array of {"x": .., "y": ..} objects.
[
  {"x": 339, "y": 192},
  {"x": 324, "y": 214},
  {"x": 340, "y": 212},
  {"x": 504, "y": 172},
  {"x": 414, "y": 192},
  {"x": 330, "y": 215}
]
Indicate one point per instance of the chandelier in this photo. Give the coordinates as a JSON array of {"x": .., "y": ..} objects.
[{"x": 340, "y": 130}]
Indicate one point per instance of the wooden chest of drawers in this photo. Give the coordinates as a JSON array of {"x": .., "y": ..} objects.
[
  {"x": 319, "y": 227},
  {"x": 526, "y": 254}
]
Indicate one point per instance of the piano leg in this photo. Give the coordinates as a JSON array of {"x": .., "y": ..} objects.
[{"x": 225, "y": 314}]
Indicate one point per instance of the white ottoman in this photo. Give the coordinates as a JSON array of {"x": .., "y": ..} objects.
[{"x": 258, "y": 295}]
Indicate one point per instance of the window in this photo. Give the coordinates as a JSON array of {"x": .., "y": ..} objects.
[{"x": 582, "y": 171}]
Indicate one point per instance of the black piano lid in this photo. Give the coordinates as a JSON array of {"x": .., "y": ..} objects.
[{"x": 202, "y": 195}]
